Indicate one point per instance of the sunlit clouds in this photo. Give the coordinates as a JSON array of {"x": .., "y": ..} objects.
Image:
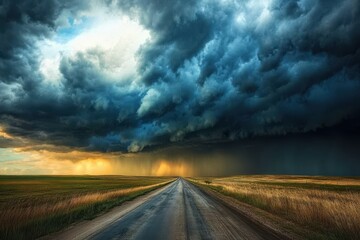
[
  {"x": 114, "y": 39},
  {"x": 5, "y": 135}
]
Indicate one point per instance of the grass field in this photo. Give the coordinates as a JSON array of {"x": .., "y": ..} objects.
[
  {"x": 33, "y": 206},
  {"x": 329, "y": 206}
]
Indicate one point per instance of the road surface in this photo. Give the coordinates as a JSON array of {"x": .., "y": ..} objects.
[{"x": 182, "y": 211}]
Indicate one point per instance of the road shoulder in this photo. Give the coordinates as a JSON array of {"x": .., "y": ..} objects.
[{"x": 277, "y": 226}]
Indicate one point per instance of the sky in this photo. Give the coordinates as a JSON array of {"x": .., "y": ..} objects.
[{"x": 182, "y": 87}]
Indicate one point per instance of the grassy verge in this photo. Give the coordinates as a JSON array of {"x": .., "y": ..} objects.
[
  {"x": 329, "y": 207},
  {"x": 33, "y": 206}
]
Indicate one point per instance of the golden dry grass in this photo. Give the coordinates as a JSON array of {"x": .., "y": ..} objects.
[
  {"x": 328, "y": 205},
  {"x": 15, "y": 215},
  {"x": 32, "y": 206}
]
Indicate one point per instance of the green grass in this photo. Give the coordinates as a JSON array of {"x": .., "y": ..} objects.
[{"x": 25, "y": 200}]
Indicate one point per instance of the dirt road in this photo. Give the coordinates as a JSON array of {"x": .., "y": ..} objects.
[{"x": 179, "y": 211}]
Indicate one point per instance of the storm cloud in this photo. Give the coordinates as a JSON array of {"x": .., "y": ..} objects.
[{"x": 208, "y": 71}]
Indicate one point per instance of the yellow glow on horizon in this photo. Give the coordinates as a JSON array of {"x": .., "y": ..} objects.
[
  {"x": 167, "y": 168},
  {"x": 93, "y": 166},
  {"x": 90, "y": 163}
]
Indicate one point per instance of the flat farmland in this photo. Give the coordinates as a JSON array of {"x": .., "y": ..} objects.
[
  {"x": 326, "y": 207},
  {"x": 33, "y": 206}
]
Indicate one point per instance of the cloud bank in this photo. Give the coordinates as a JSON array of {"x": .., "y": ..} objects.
[{"x": 129, "y": 75}]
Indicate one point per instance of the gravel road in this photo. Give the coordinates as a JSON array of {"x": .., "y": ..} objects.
[{"x": 182, "y": 211}]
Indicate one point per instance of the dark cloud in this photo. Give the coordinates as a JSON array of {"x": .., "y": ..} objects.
[
  {"x": 325, "y": 153},
  {"x": 212, "y": 71}
]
